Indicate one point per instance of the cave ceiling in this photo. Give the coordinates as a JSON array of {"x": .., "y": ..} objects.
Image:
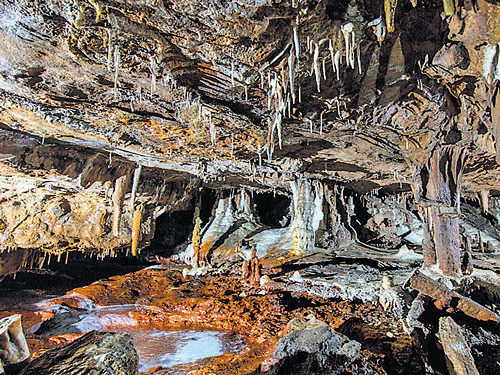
[{"x": 245, "y": 93}]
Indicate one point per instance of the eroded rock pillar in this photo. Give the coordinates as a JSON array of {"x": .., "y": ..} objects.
[
  {"x": 440, "y": 202},
  {"x": 307, "y": 214}
]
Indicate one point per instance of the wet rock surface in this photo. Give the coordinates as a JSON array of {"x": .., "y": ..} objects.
[
  {"x": 102, "y": 353},
  {"x": 320, "y": 147}
]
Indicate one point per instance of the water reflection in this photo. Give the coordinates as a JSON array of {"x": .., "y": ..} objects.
[
  {"x": 154, "y": 347},
  {"x": 172, "y": 348}
]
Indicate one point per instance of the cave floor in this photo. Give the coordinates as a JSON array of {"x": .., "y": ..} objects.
[
  {"x": 166, "y": 300},
  {"x": 341, "y": 291}
]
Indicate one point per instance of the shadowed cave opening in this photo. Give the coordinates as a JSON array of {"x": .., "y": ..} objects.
[
  {"x": 174, "y": 228},
  {"x": 273, "y": 209}
]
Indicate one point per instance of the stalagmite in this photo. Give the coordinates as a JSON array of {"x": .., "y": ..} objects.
[
  {"x": 136, "y": 229},
  {"x": 135, "y": 184},
  {"x": 255, "y": 267},
  {"x": 316, "y": 66},
  {"x": 245, "y": 269},
  {"x": 117, "y": 198},
  {"x": 196, "y": 241}
]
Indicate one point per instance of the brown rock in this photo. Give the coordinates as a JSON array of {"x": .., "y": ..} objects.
[
  {"x": 459, "y": 359},
  {"x": 103, "y": 353}
]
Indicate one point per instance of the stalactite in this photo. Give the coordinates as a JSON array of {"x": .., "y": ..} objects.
[
  {"x": 450, "y": 7},
  {"x": 213, "y": 132},
  {"x": 110, "y": 50},
  {"x": 246, "y": 93},
  {"x": 296, "y": 42},
  {"x": 117, "y": 68},
  {"x": 348, "y": 32},
  {"x": 232, "y": 74},
  {"x": 323, "y": 64},
  {"x": 97, "y": 8},
  {"x": 358, "y": 53},
  {"x": 484, "y": 195},
  {"x": 390, "y": 10},
  {"x": 154, "y": 65},
  {"x": 337, "y": 64},
  {"x": 321, "y": 124},
  {"x": 289, "y": 105},
  {"x": 136, "y": 229},
  {"x": 117, "y": 198},
  {"x": 316, "y": 66},
  {"x": 332, "y": 55},
  {"x": 135, "y": 184},
  {"x": 291, "y": 75},
  {"x": 491, "y": 62}
]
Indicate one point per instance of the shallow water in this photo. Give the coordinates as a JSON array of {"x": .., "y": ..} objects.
[
  {"x": 154, "y": 347},
  {"x": 172, "y": 348}
]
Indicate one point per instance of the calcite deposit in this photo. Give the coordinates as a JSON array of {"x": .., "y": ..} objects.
[{"x": 328, "y": 144}]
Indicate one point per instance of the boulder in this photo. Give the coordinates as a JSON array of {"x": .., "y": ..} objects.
[
  {"x": 311, "y": 347},
  {"x": 14, "y": 350},
  {"x": 104, "y": 353}
]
